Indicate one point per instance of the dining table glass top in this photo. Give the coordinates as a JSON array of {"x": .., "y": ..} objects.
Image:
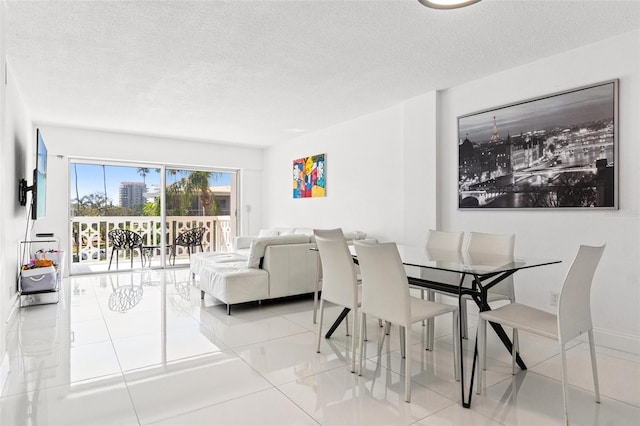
[{"x": 463, "y": 262}]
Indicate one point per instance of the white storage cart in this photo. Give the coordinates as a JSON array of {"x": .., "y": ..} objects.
[{"x": 40, "y": 285}]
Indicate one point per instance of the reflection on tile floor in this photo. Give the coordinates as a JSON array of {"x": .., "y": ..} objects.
[{"x": 139, "y": 348}]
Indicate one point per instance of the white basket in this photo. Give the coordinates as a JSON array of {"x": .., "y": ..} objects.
[{"x": 38, "y": 279}]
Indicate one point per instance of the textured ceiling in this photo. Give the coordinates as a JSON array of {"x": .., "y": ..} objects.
[{"x": 259, "y": 72}]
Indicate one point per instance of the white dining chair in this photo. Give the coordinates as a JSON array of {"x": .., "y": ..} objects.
[
  {"x": 339, "y": 279},
  {"x": 325, "y": 233},
  {"x": 444, "y": 240},
  {"x": 481, "y": 245},
  {"x": 573, "y": 318},
  {"x": 385, "y": 295},
  {"x": 440, "y": 241}
]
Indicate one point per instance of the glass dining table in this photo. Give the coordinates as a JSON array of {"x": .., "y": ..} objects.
[{"x": 459, "y": 274}]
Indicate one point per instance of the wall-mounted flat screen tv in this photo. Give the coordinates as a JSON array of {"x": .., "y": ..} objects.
[{"x": 39, "y": 196}]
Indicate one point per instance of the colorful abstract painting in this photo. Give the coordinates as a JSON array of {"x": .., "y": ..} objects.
[{"x": 309, "y": 177}]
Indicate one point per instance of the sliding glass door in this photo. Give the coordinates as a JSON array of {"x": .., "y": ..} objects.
[
  {"x": 200, "y": 212},
  {"x": 130, "y": 216}
]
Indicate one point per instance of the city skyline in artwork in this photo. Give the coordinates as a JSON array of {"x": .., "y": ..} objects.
[
  {"x": 555, "y": 151},
  {"x": 309, "y": 176}
]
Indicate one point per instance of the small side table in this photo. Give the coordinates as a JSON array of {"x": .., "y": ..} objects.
[{"x": 147, "y": 254}]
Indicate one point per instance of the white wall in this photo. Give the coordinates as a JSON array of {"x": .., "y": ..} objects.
[
  {"x": 419, "y": 167},
  {"x": 364, "y": 177},
  {"x": 554, "y": 233},
  {"x": 380, "y": 175},
  {"x": 3, "y": 97},
  {"x": 65, "y": 143},
  {"x": 393, "y": 174},
  {"x": 17, "y": 159}
]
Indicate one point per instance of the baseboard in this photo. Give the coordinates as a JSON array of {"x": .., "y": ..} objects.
[
  {"x": 618, "y": 341},
  {"x": 13, "y": 309},
  {"x": 5, "y": 369}
]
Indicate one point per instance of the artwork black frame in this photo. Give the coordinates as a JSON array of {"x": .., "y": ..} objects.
[{"x": 557, "y": 151}]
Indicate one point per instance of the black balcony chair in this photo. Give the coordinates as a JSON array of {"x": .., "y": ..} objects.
[
  {"x": 123, "y": 239},
  {"x": 190, "y": 239}
]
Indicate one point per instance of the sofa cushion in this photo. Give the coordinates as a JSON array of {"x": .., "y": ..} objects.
[
  {"x": 355, "y": 235},
  {"x": 200, "y": 260},
  {"x": 233, "y": 282},
  {"x": 240, "y": 243},
  {"x": 268, "y": 233},
  {"x": 285, "y": 231},
  {"x": 349, "y": 236},
  {"x": 259, "y": 244}
]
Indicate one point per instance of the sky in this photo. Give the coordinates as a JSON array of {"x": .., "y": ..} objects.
[{"x": 90, "y": 179}]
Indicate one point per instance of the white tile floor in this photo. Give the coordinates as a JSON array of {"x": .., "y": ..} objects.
[{"x": 153, "y": 353}]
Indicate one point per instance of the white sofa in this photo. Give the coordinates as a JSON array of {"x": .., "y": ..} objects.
[{"x": 259, "y": 268}]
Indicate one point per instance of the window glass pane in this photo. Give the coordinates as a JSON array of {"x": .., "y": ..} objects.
[
  {"x": 110, "y": 200},
  {"x": 199, "y": 209},
  {"x": 105, "y": 197}
]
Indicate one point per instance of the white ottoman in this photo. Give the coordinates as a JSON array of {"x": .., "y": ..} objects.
[{"x": 234, "y": 282}]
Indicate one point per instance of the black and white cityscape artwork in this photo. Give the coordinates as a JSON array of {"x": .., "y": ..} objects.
[{"x": 557, "y": 151}]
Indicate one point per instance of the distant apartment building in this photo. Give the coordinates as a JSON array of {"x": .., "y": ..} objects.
[
  {"x": 131, "y": 194},
  {"x": 222, "y": 196}
]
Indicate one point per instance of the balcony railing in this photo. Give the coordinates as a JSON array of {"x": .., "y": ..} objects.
[{"x": 91, "y": 245}]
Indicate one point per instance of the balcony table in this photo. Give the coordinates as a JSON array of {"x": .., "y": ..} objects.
[
  {"x": 147, "y": 253},
  {"x": 484, "y": 271}
]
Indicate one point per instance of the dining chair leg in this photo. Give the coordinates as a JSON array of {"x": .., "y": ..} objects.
[
  {"x": 354, "y": 342},
  {"x": 594, "y": 365},
  {"x": 407, "y": 362},
  {"x": 427, "y": 335},
  {"x": 111, "y": 259},
  {"x": 456, "y": 346},
  {"x": 403, "y": 338},
  {"x": 565, "y": 386},
  {"x": 431, "y": 323},
  {"x": 346, "y": 324},
  {"x": 366, "y": 338},
  {"x": 482, "y": 353},
  {"x": 424, "y": 321},
  {"x": 315, "y": 301},
  {"x": 483, "y": 360},
  {"x": 361, "y": 342},
  {"x": 387, "y": 328},
  {"x": 320, "y": 324},
  {"x": 464, "y": 323}
]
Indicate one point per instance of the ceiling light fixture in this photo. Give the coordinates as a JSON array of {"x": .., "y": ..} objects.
[{"x": 447, "y": 4}]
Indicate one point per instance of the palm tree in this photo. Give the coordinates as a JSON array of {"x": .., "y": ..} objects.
[
  {"x": 75, "y": 171},
  {"x": 192, "y": 184},
  {"x": 92, "y": 204},
  {"x": 199, "y": 182},
  {"x": 104, "y": 179},
  {"x": 143, "y": 171}
]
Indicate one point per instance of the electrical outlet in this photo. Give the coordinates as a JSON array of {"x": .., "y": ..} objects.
[{"x": 554, "y": 298}]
